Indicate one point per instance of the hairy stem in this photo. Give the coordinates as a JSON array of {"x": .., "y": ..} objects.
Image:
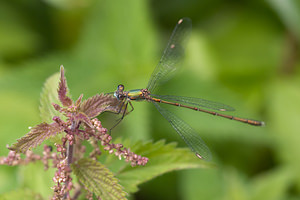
[
  {"x": 70, "y": 154},
  {"x": 71, "y": 146}
]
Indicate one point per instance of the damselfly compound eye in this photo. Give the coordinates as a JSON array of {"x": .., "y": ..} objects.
[{"x": 120, "y": 87}]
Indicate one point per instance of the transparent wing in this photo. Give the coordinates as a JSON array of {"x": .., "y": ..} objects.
[
  {"x": 189, "y": 135},
  {"x": 198, "y": 102},
  {"x": 172, "y": 55}
]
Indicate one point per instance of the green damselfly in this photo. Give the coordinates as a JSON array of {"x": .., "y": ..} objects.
[{"x": 163, "y": 71}]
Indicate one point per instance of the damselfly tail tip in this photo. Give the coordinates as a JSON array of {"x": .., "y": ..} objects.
[{"x": 256, "y": 123}]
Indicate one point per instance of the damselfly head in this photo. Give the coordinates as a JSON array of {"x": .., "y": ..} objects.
[
  {"x": 119, "y": 92},
  {"x": 120, "y": 88}
]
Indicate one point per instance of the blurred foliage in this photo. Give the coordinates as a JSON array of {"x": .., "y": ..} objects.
[{"x": 241, "y": 53}]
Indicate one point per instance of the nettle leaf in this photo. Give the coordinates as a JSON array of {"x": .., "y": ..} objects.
[
  {"x": 78, "y": 101},
  {"x": 84, "y": 118},
  {"x": 36, "y": 136},
  {"x": 98, "y": 179},
  {"x": 48, "y": 96},
  {"x": 163, "y": 158},
  {"x": 99, "y": 103},
  {"x": 63, "y": 89}
]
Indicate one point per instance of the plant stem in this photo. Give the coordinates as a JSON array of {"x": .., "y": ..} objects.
[
  {"x": 70, "y": 154},
  {"x": 71, "y": 146}
]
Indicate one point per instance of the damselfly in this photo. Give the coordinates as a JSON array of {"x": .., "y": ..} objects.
[{"x": 163, "y": 71}]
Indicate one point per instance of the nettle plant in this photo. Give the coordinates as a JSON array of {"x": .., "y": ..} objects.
[{"x": 80, "y": 174}]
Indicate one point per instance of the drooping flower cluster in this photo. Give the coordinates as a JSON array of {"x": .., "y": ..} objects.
[
  {"x": 62, "y": 180},
  {"x": 14, "y": 158},
  {"x": 118, "y": 149}
]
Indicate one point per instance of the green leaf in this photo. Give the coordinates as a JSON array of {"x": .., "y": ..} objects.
[
  {"x": 48, "y": 96},
  {"x": 163, "y": 158},
  {"x": 98, "y": 179}
]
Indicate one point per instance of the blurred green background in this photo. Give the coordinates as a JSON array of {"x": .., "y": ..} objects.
[{"x": 241, "y": 53}]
